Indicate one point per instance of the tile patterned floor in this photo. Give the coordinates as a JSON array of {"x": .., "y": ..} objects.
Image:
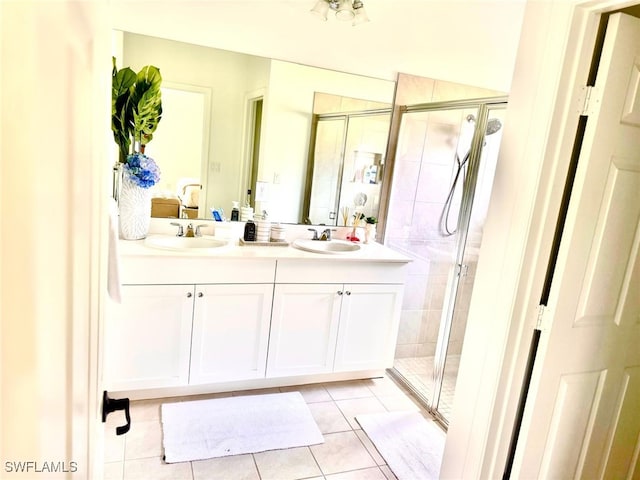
[
  {"x": 347, "y": 453},
  {"x": 418, "y": 371}
]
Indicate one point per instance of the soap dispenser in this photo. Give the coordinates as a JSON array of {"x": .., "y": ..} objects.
[
  {"x": 249, "y": 231},
  {"x": 235, "y": 212},
  {"x": 246, "y": 212}
]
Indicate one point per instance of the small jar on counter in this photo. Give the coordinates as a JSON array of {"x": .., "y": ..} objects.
[{"x": 278, "y": 233}]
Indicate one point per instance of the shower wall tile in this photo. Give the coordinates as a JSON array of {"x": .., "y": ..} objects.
[
  {"x": 419, "y": 265},
  {"x": 405, "y": 182},
  {"x": 437, "y": 296},
  {"x": 399, "y": 224},
  {"x": 410, "y": 323},
  {"x": 406, "y": 350},
  {"x": 415, "y": 292},
  {"x": 444, "y": 91},
  {"x": 430, "y": 326},
  {"x": 426, "y": 349},
  {"x": 411, "y": 139},
  {"x": 459, "y": 326},
  {"x": 454, "y": 347},
  {"x": 425, "y": 220},
  {"x": 413, "y": 89},
  {"x": 434, "y": 184},
  {"x": 441, "y": 145}
]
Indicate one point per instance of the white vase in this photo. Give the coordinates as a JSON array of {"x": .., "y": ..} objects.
[
  {"x": 370, "y": 233},
  {"x": 135, "y": 209}
]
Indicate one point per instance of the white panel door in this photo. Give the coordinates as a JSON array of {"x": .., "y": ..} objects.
[
  {"x": 304, "y": 327},
  {"x": 230, "y": 332},
  {"x": 148, "y": 337},
  {"x": 583, "y": 414},
  {"x": 368, "y": 327}
]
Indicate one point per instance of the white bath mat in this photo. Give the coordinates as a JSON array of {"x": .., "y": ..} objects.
[
  {"x": 411, "y": 445},
  {"x": 231, "y": 426}
]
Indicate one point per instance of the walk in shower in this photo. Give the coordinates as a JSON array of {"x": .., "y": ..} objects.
[{"x": 445, "y": 159}]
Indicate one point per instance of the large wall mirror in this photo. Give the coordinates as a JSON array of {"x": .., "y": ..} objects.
[{"x": 234, "y": 122}]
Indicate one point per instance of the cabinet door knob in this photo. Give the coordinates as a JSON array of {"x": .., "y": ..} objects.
[
  {"x": 339, "y": 292},
  {"x": 189, "y": 294},
  {"x": 200, "y": 294},
  {"x": 348, "y": 292}
]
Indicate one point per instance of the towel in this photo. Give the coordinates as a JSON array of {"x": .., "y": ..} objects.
[{"x": 113, "y": 269}]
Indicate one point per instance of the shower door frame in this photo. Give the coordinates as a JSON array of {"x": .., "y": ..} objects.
[
  {"x": 482, "y": 106},
  {"x": 346, "y": 117}
]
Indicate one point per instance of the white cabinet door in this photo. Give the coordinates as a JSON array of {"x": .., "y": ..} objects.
[
  {"x": 148, "y": 337},
  {"x": 230, "y": 332},
  {"x": 368, "y": 327},
  {"x": 304, "y": 327}
]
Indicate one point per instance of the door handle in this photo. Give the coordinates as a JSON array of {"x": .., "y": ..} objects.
[{"x": 110, "y": 405}]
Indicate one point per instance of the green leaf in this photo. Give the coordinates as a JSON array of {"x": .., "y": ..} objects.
[{"x": 136, "y": 105}]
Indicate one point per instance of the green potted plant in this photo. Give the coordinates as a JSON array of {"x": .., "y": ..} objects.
[{"x": 136, "y": 110}]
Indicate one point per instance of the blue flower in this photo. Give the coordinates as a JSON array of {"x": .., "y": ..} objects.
[{"x": 142, "y": 169}]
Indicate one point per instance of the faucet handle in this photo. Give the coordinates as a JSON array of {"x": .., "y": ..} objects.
[
  {"x": 198, "y": 232},
  {"x": 315, "y": 233},
  {"x": 180, "y": 229},
  {"x": 326, "y": 234}
]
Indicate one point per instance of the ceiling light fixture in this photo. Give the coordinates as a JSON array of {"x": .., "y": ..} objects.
[{"x": 346, "y": 10}]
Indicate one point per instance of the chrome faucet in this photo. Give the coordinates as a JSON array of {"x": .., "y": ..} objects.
[
  {"x": 198, "y": 227},
  {"x": 324, "y": 236},
  {"x": 180, "y": 229},
  {"x": 191, "y": 230}
]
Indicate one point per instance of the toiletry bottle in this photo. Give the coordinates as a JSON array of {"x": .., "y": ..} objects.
[
  {"x": 250, "y": 231},
  {"x": 235, "y": 212}
]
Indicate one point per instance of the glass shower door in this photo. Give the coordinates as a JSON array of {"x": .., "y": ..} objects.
[
  {"x": 431, "y": 162},
  {"x": 444, "y": 166},
  {"x": 477, "y": 199},
  {"x": 328, "y": 154}
]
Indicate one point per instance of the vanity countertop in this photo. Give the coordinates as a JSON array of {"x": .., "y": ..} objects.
[{"x": 368, "y": 252}]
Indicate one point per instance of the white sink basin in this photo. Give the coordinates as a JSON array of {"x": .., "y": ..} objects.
[
  {"x": 330, "y": 247},
  {"x": 169, "y": 242}
]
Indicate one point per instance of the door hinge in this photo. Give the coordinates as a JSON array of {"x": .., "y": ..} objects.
[
  {"x": 540, "y": 319},
  {"x": 588, "y": 100}
]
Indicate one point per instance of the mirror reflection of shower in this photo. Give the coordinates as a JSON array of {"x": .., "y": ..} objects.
[{"x": 493, "y": 125}]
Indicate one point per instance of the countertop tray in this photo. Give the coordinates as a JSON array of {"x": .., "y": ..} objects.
[{"x": 263, "y": 244}]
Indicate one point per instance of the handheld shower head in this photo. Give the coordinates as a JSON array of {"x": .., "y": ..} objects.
[{"x": 493, "y": 125}]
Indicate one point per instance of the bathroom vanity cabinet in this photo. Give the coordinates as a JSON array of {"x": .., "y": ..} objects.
[
  {"x": 148, "y": 337},
  {"x": 334, "y": 327},
  {"x": 230, "y": 332},
  {"x": 201, "y": 324},
  {"x": 173, "y": 335}
]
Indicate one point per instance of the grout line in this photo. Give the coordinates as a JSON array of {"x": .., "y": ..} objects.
[
  {"x": 255, "y": 464},
  {"x": 316, "y": 460}
]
